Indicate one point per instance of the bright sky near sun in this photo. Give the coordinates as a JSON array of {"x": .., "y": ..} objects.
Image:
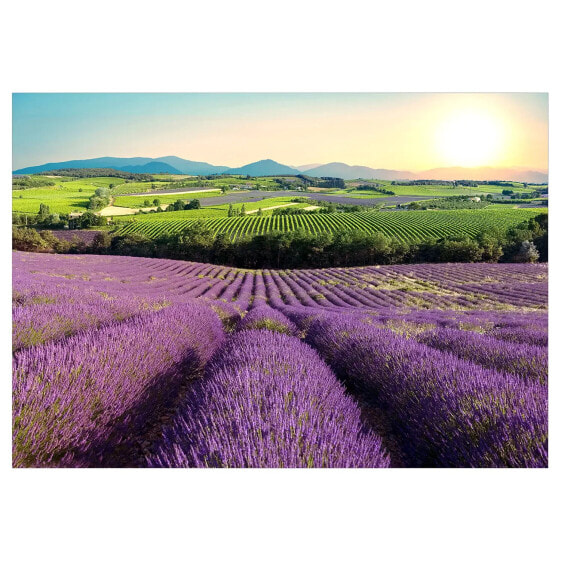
[{"x": 396, "y": 131}]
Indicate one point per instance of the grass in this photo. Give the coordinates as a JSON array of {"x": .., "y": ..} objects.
[
  {"x": 72, "y": 196},
  {"x": 188, "y": 182},
  {"x": 62, "y": 198},
  {"x": 138, "y": 202},
  {"x": 215, "y": 211},
  {"x": 434, "y": 190}
]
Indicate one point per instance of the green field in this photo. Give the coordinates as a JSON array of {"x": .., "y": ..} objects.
[
  {"x": 404, "y": 225},
  {"x": 69, "y": 196},
  {"x": 424, "y": 190},
  {"x": 62, "y": 198},
  {"x": 140, "y": 186},
  {"x": 188, "y": 182},
  {"x": 215, "y": 211},
  {"x": 138, "y": 202}
]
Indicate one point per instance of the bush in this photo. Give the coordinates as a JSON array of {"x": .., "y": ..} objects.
[{"x": 527, "y": 253}]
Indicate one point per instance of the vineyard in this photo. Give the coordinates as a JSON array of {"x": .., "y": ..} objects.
[
  {"x": 403, "y": 225},
  {"x": 141, "y": 362}
]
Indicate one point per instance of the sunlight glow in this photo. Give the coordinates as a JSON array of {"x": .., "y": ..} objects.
[{"x": 470, "y": 138}]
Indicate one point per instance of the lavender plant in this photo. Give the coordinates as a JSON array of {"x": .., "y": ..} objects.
[
  {"x": 74, "y": 401},
  {"x": 268, "y": 400}
]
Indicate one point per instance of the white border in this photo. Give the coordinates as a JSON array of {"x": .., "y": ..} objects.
[{"x": 289, "y": 46}]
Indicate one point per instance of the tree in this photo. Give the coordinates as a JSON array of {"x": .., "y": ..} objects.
[
  {"x": 44, "y": 211},
  {"x": 52, "y": 220},
  {"x": 132, "y": 244},
  {"x": 260, "y": 212},
  {"x": 242, "y": 212},
  {"x": 146, "y": 202},
  {"x": 195, "y": 204},
  {"x": 528, "y": 253},
  {"x": 87, "y": 220},
  {"x": 101, "y": 243},
  {"x": 156, "y": 202},
  {"x": 177, "y": 205},
  {"x": 102, "y": 192},
  {"x": 230, "y": 210},
  {"x": 26, "y": 239}
]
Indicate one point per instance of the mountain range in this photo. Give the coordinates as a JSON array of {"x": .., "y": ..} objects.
[{"x": 175, "y": 165}]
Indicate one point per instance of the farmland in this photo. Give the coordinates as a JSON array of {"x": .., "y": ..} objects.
[
  {"x": 409, "y": 225},
  {"x": 429, "y": 190},
  {"x": 72, "y": 195},
  {"x": 146, "y": 362},
  {"x": 63, "y": 197},
  {"x": 124, "y": 361}
]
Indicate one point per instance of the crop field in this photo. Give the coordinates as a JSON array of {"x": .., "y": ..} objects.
[
  {"x": 138, "y": 202},
  {"x": 404, "y": 225},
  {"x": 138, "y": 186},
  {"x": 215, "y": 211},
  {"x": 185, "y": 182},
  {"x": 430, "y": 190},
  {"x": 63, "y": 198},
  {"x": 140, "y": 362}
]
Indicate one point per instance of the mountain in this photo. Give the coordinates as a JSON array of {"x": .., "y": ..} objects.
[
  {"x": 306, "y": 167},
  {"x": 264, "y": 167},
  {"x": 168, "y": 164},
  {"x": 90, "y": 163},
  {"x": 485, "y": 173},
  {"x": 175, "y": 165},
  {"x": 152, "y": 167},
  {"x": 191, "y": 168},
  {"x": 344, "y": 171}
]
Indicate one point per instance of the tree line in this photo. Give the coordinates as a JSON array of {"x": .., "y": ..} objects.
[
  {"x": 526, "y": 242},
  {"x": 99, "y": 172}
]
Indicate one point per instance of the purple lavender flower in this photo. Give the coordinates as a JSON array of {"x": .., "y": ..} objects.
[{"x": 268, "y": 400}]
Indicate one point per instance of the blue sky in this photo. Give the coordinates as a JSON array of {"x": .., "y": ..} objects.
[{"x": 398, "y": 131}]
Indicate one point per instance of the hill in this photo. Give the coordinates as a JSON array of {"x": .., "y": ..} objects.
[
  {"x": 263, "y": 168},
  {"x": 151, "y": 167},
  {"x": 344, "y": 171},
  {"x": 485, "y": 174},
  {"x": 175, "y": 165},
  {"x": 167, "y": 164}
]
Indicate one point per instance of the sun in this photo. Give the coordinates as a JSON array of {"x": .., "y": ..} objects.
[{"x": 469, "y": 138}]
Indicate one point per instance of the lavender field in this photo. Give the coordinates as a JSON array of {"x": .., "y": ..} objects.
[{"x": 138, "y": 362}]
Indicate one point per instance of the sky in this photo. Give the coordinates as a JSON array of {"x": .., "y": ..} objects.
[{"x": 403, "y": 131}]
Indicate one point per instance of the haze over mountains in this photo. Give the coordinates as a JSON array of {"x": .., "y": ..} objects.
[{"x": 176, "y": 165}]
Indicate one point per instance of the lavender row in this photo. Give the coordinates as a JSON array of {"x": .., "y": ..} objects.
[
  {"x": 461, "y": 287},
  {"x": 526, "y": 361},
  {"x": 521, "y": 335},
  {"x": 268, "y": 400},
  {"x": 76, "y": 401},
  {"x": 265, "y": 317},
  {"x": 446, "y": 411},
  {"x": 35, "y": 324}
]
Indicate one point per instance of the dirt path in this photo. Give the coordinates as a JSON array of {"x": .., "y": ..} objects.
[
  {"x": 155, "y": 193},
  {"x": 269, "y": 208},
  {"x": 125, "y": 210}
]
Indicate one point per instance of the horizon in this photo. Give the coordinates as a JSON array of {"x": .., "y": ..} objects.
[{"x": 397, "y": 131}]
